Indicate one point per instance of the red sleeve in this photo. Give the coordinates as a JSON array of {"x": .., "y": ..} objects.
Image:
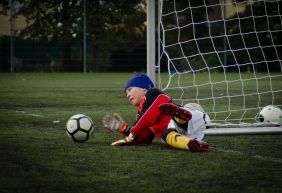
[{"x": 150, "y": 117}]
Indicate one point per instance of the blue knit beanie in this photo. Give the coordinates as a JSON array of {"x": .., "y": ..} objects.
[{"x": 139, "y": 80}]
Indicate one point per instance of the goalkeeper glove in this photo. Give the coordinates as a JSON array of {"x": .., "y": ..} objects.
[
  {"x": 126, "y": 141},
  {"x": 114, "y": 123}
]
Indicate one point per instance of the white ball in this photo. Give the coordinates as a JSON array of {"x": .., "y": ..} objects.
[
  {"x": 271, "y": 114},
  {"x": 79, "y": 127},
  {"x": 198, "y": 107},
  {"x": 59, "y": 24},
  {"x": 194, "y": 106}
]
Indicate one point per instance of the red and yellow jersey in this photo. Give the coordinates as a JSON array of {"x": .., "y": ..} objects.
[{"x": 149, "y": 120}]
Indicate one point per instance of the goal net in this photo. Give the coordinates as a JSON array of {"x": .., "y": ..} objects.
[{"x": 223, "y": 54}]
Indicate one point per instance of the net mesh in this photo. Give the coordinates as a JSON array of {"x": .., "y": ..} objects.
[{"x": 224, "y": 55}]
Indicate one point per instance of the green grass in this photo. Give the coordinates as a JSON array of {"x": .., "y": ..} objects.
[{"x": 37, "y": 156}]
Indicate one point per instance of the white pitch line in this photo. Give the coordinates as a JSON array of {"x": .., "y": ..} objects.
[
  {"x": 24, "y": 112},
  {"x": 272, "y": 159},
  {"x": 31, "y": 114}
]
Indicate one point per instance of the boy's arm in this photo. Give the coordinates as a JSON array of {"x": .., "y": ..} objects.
[
  {"x": 147, "y": 120},
  {"x": 150, "y": 116}
]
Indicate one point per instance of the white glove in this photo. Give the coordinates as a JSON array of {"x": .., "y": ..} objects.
[
  {"x": 114, "y": 122},
  {"x": 126, "y": 141}
]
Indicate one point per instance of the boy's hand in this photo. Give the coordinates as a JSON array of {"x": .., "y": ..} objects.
[
  {"x": 126, "y": 141},
  {"x": 114, "y": 122}
]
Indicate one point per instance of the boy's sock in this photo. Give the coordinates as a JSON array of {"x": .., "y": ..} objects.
[
  {"x": 180, "y": 123},
  {"x": 178, "y": 141}
]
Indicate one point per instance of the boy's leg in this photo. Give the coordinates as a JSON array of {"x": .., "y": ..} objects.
[
  {"x": 145, "y": 138},
  {"x": 175, "y": 111},
  {"x": 178, "y": 141},
  {"x": 179, "y": 115}
]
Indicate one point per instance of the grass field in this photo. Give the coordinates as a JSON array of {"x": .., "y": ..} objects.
[{"x": 37, "y": 156}]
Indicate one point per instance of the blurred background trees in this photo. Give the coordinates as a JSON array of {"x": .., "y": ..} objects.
[
  {"x": 51, "y": 38},
  {"x": 49, "y": 35}
]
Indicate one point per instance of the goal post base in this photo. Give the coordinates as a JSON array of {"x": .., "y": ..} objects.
[{"x": 244, "y": 131}]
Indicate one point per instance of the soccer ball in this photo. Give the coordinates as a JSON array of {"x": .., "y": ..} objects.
[
  {"x": 79, "y": 127},
  {"x": 271, "y": 114},
  {"x": 198, "y": 107},
  {"x": 194, "y": 106}
]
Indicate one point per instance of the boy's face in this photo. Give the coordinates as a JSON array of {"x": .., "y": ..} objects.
[{"x": 135, "y": 94}]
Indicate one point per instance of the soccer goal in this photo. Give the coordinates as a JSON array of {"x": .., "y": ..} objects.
[{"x": 223, "y": 54}]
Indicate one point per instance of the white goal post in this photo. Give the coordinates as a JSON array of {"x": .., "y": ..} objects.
[{"x": 223, "y": 54}]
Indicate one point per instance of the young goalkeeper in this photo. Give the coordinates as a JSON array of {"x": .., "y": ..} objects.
[{"x": 157, "y": 116}]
